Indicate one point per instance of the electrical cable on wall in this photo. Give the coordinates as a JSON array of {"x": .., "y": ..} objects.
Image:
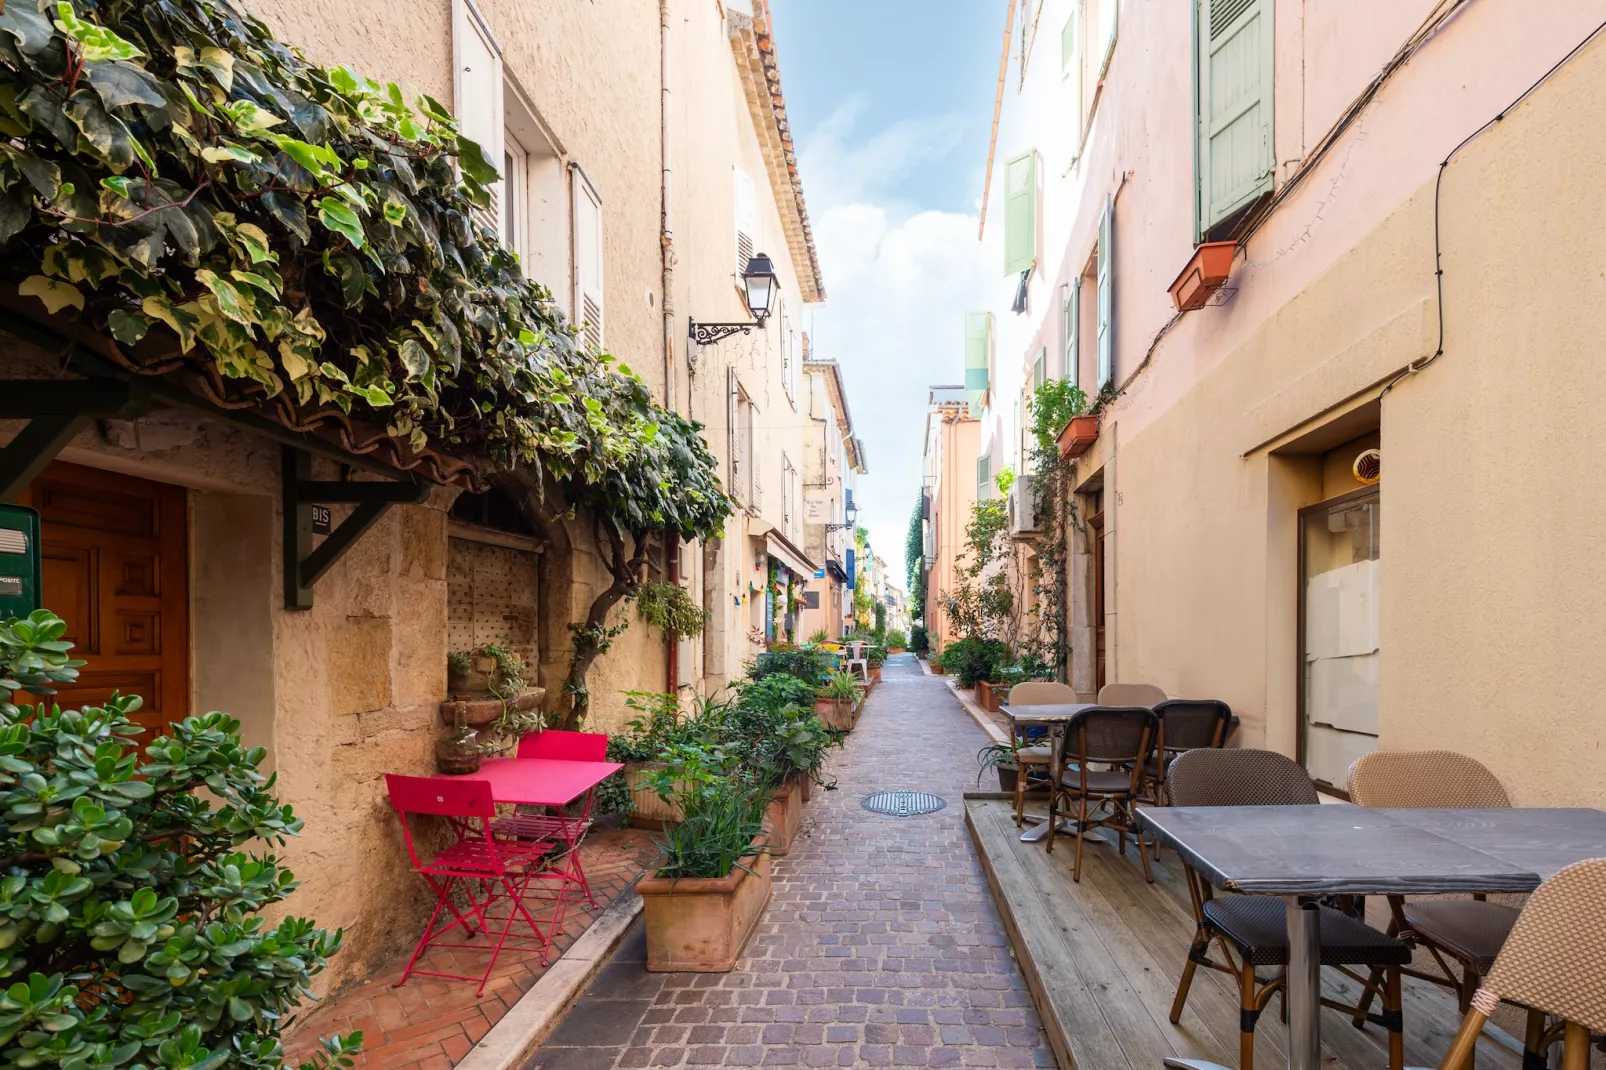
[{"x": 1438, "y": 189}]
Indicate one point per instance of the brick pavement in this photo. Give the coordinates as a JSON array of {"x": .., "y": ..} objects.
[
  {"x": 430, "y": 1023},
  {"x": 881, "y": 947}
]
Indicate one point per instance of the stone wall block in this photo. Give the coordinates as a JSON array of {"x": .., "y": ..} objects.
[{"x": 359, "y": 665}]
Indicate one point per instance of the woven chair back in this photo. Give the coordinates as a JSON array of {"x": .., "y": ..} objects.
[
  {"x": 1424, "y": 779},
  {"x": 1190, "y": 723},
  {"x": 1555, "y": 958},
  {"x": 1041, "y": 693},
  {"x": 1108, "y": 734},
  {"x": 1130, "y": 695},
  {"x": 1238, "y": 778}
]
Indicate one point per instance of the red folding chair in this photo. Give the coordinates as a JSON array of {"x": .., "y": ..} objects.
[
  {"x": 569, "y": 831},
  {"x": 477, "y": 861}
]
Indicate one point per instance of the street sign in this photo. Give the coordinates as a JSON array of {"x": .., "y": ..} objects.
[
  {"x": 322, "y": 522},
  {"x": 19, "y": 561}
]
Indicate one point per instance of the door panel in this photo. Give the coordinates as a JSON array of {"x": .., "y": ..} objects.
[{"x": 115, "y": 556}]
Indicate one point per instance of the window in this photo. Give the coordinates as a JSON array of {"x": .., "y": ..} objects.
[
  {"x": 477, "y": 95},
  {"x": 588, "y": 304},
  {"x": 791, "y": 498},
  {"x": 1020, "y": 213},
  {"x": 745, "y": 201},
  {"x": 515, "y": 199},
  {"x": 1234, "y": 159},
  {"x": 791, "y": 360},
  {"x": 1071, "y": 68},
  {"x": 984, "y": 477},
  {"x": 743, "y": 443},
  {"x": 1106, "y": 285},
  {"x": 1040, "y": 369},
  {"x": 978, "y": 358},
  {"x": 1072, "y": 326},
  {"x": 1109, "y": 12}
]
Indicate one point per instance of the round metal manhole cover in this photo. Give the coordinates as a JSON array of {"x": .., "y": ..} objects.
[{"x": 903, "y": 803}]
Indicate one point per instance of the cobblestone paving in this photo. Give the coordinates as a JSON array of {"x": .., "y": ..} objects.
[{"x": 880, "y": 948}]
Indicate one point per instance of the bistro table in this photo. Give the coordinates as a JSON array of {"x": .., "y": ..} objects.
[
  {"x": 1053, "y": 716},
  {"x": 539, "y": 781},
  {"x": 1300, "y": 853}
]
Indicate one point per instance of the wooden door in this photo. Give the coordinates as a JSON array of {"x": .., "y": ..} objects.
[
  {"x": 115, "y": 563},
  {"x": 1097, "y": 524}
]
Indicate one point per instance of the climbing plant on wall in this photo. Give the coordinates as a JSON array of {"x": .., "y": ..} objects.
[
  {"x": 1053, "y": 405},
  {"x": 914, "y": 558}
]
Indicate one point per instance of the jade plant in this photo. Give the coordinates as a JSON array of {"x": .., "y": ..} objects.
[{"x": 135, "y": 877}]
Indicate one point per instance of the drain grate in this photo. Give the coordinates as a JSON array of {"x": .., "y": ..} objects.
[{"x": 903, "y": 803}]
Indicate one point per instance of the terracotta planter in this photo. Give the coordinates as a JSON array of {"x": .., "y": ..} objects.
[
  {"x": 784, "y": 817},
  {"x": 830, "y": 711},
  {"x": 894, "y": 650},
  {"x": 875, "y": 674},
  {"x": 700, "y": 925},
  {"x": 481, "y": 709},
  {"x": 805, "y": 784},
  {"x": 1206, "y": 272},
  {"x": 648, "y": 806},
  {"x": 1078, "y": 436}
]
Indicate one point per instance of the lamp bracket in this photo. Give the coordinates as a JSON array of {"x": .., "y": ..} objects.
[{"x": 706, "y": 334}]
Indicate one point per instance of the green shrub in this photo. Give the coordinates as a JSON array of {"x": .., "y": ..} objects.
[
  {"x": 724, "y": 811},
  {"x": 895, "y": 638},
  {"x": 775, "y": 691},
  {"x": 130, "y": 909},
  {"x": 840, "y": 686},
  {"x": 804, "y": 662},
  {"x": 919, "y": 640},
  {"x": 974, "y": 660}
]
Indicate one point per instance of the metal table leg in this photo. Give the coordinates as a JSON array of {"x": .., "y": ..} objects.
[{"x": 1304, "y": 984}]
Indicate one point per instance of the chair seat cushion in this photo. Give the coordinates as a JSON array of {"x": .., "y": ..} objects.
[
  {"x": 1472, "y": 930},
  {"x": 1259, "y": 929},
  {"x": 1099, "y": 781},
  {"x": 1038, "y": 755}
]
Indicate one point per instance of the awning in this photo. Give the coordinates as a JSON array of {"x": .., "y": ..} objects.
[{"x": 781, "y": 548}]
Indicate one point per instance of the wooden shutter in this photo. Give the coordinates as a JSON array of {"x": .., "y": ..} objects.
[
  {"x": 1235, "y": 156},
  {"x": 1040, "y": 369},
  {"x": 745, "y": 201},
  {"x": 1073, "y": 333},
  {"x": 1020, "y": 213},
  {"x": 1071, "y": 69},
  {"x": 477, "y": 96},
  {"x": 978, "y": 358},
  {"x": 1106, "y": 281},
  {"x": 984, "y": 476},
  {"x": 589, "y": 311},
  {"x": 733, "y": 465},
  {"x": 1109, "y": 19}
]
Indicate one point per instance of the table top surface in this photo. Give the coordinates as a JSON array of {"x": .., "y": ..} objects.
[
  {"x": 1346, "y": 849},
  {"x": 539, "y": 781},
  {"x": 1051, "y": 713}
]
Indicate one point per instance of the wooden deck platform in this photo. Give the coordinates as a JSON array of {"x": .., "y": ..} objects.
[{"x": 1103, "y": 956}]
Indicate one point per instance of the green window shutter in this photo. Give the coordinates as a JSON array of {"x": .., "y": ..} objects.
[
  {"x": 1020, "y": 213},
  {"x": 984, "y": 476},
  {"x": 1106, "y": 282},
  {"x": 1071, "y": 69},
  {"x": 1040, "y": 369},
  {"x": 1073, "y": 334},
  {"x": 978, "y": 357},
  {"x": 1235, "y": 157}
]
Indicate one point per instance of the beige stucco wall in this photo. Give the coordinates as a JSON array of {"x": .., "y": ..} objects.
[
  {"x": 1490, "y": 510},
  {"x": 954, "y": 499}
]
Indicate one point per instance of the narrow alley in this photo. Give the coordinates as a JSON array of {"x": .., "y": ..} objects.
[{"x": 881, "y": 946}]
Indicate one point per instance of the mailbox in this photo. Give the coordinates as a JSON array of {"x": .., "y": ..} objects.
[{"x": 19, "y": 561}]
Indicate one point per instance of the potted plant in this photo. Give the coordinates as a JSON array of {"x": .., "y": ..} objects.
[
  {"x": 841, "y": 692},
  {"x": 703, "y": 901},
  {"x": 876, "y": 655},
  {"x": 999, "y": 756},
  {"x": 1078, "y": 436},
  {"x": 920, "y": 641},
  {"x": 1206, "y": 272}
]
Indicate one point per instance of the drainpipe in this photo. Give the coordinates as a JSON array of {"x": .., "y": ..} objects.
[{"x": 666, "y": 238}]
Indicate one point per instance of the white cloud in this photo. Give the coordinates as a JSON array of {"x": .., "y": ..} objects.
[{"x": 899, "y": 282}]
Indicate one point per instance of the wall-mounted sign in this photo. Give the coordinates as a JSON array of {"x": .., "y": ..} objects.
[
  {"x": 322, "y": 521},
  {"x": 816, "y": 509},
  {"x": 19, "y": 561}
]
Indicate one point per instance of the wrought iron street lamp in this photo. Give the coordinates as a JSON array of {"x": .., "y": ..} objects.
[
  {"x": 851, "y": 511},
  {"x": 759, "y": 285}
]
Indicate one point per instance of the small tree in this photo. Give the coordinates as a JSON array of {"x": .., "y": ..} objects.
[{"x": 129, "y": 913}]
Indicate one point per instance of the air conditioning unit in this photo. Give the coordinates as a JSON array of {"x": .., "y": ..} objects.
[{"x": 1022, "y": 509}]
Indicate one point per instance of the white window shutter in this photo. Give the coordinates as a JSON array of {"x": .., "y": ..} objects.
[
  {"x": 1073, "y": 334},
  {"x": 1106, "y": 295},
  {"x": 477, "y": 96},
  {"x": 588, "y": 302},
  {"x": 733, "y": 434},
  {"x": 1109, "y": 19},
  {"x": 745, "y": 200},
  {"x": 1071, "y": 68}
]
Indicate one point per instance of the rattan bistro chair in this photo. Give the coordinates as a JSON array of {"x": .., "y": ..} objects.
[
  {"x": 1130, "y": 695},
  {"x": 1033, "y": 753},
  {"x": 1120, "y": 737},
  {"x": 1252, "y": 931},
  {"x": 1185, "y": 724},
  {"x": 1554, "y": 962},
  {"x": 1463, "y": 935}
]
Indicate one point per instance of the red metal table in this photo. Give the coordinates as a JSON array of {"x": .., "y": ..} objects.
[{"x": 539, "y": 781}]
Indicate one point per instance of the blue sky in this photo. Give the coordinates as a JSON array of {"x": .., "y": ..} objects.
[{"x": 890, "y": 103}]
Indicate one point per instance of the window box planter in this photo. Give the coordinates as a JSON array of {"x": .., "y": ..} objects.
[
  {"x": 649, "y": 808},
  {"x": 1078, "y": 436},
  {"x": 875, "y": 674},
  {"x": 784, "y": 817},
  {"x": 990, "y": 696},
  {"x": 701, "y": 924},
  {"x": 1206, "y": 272}
]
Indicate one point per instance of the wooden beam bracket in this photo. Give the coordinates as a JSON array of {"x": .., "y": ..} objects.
[
  {"x": 56, "y": 411},
  {"x": 305, "y": 564}
]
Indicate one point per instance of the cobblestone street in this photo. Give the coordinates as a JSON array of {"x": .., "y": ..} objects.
[{"x": 880, "y": 948}]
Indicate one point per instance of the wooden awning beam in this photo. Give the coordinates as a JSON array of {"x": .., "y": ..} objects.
[{"x": 56, "y": 411}]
